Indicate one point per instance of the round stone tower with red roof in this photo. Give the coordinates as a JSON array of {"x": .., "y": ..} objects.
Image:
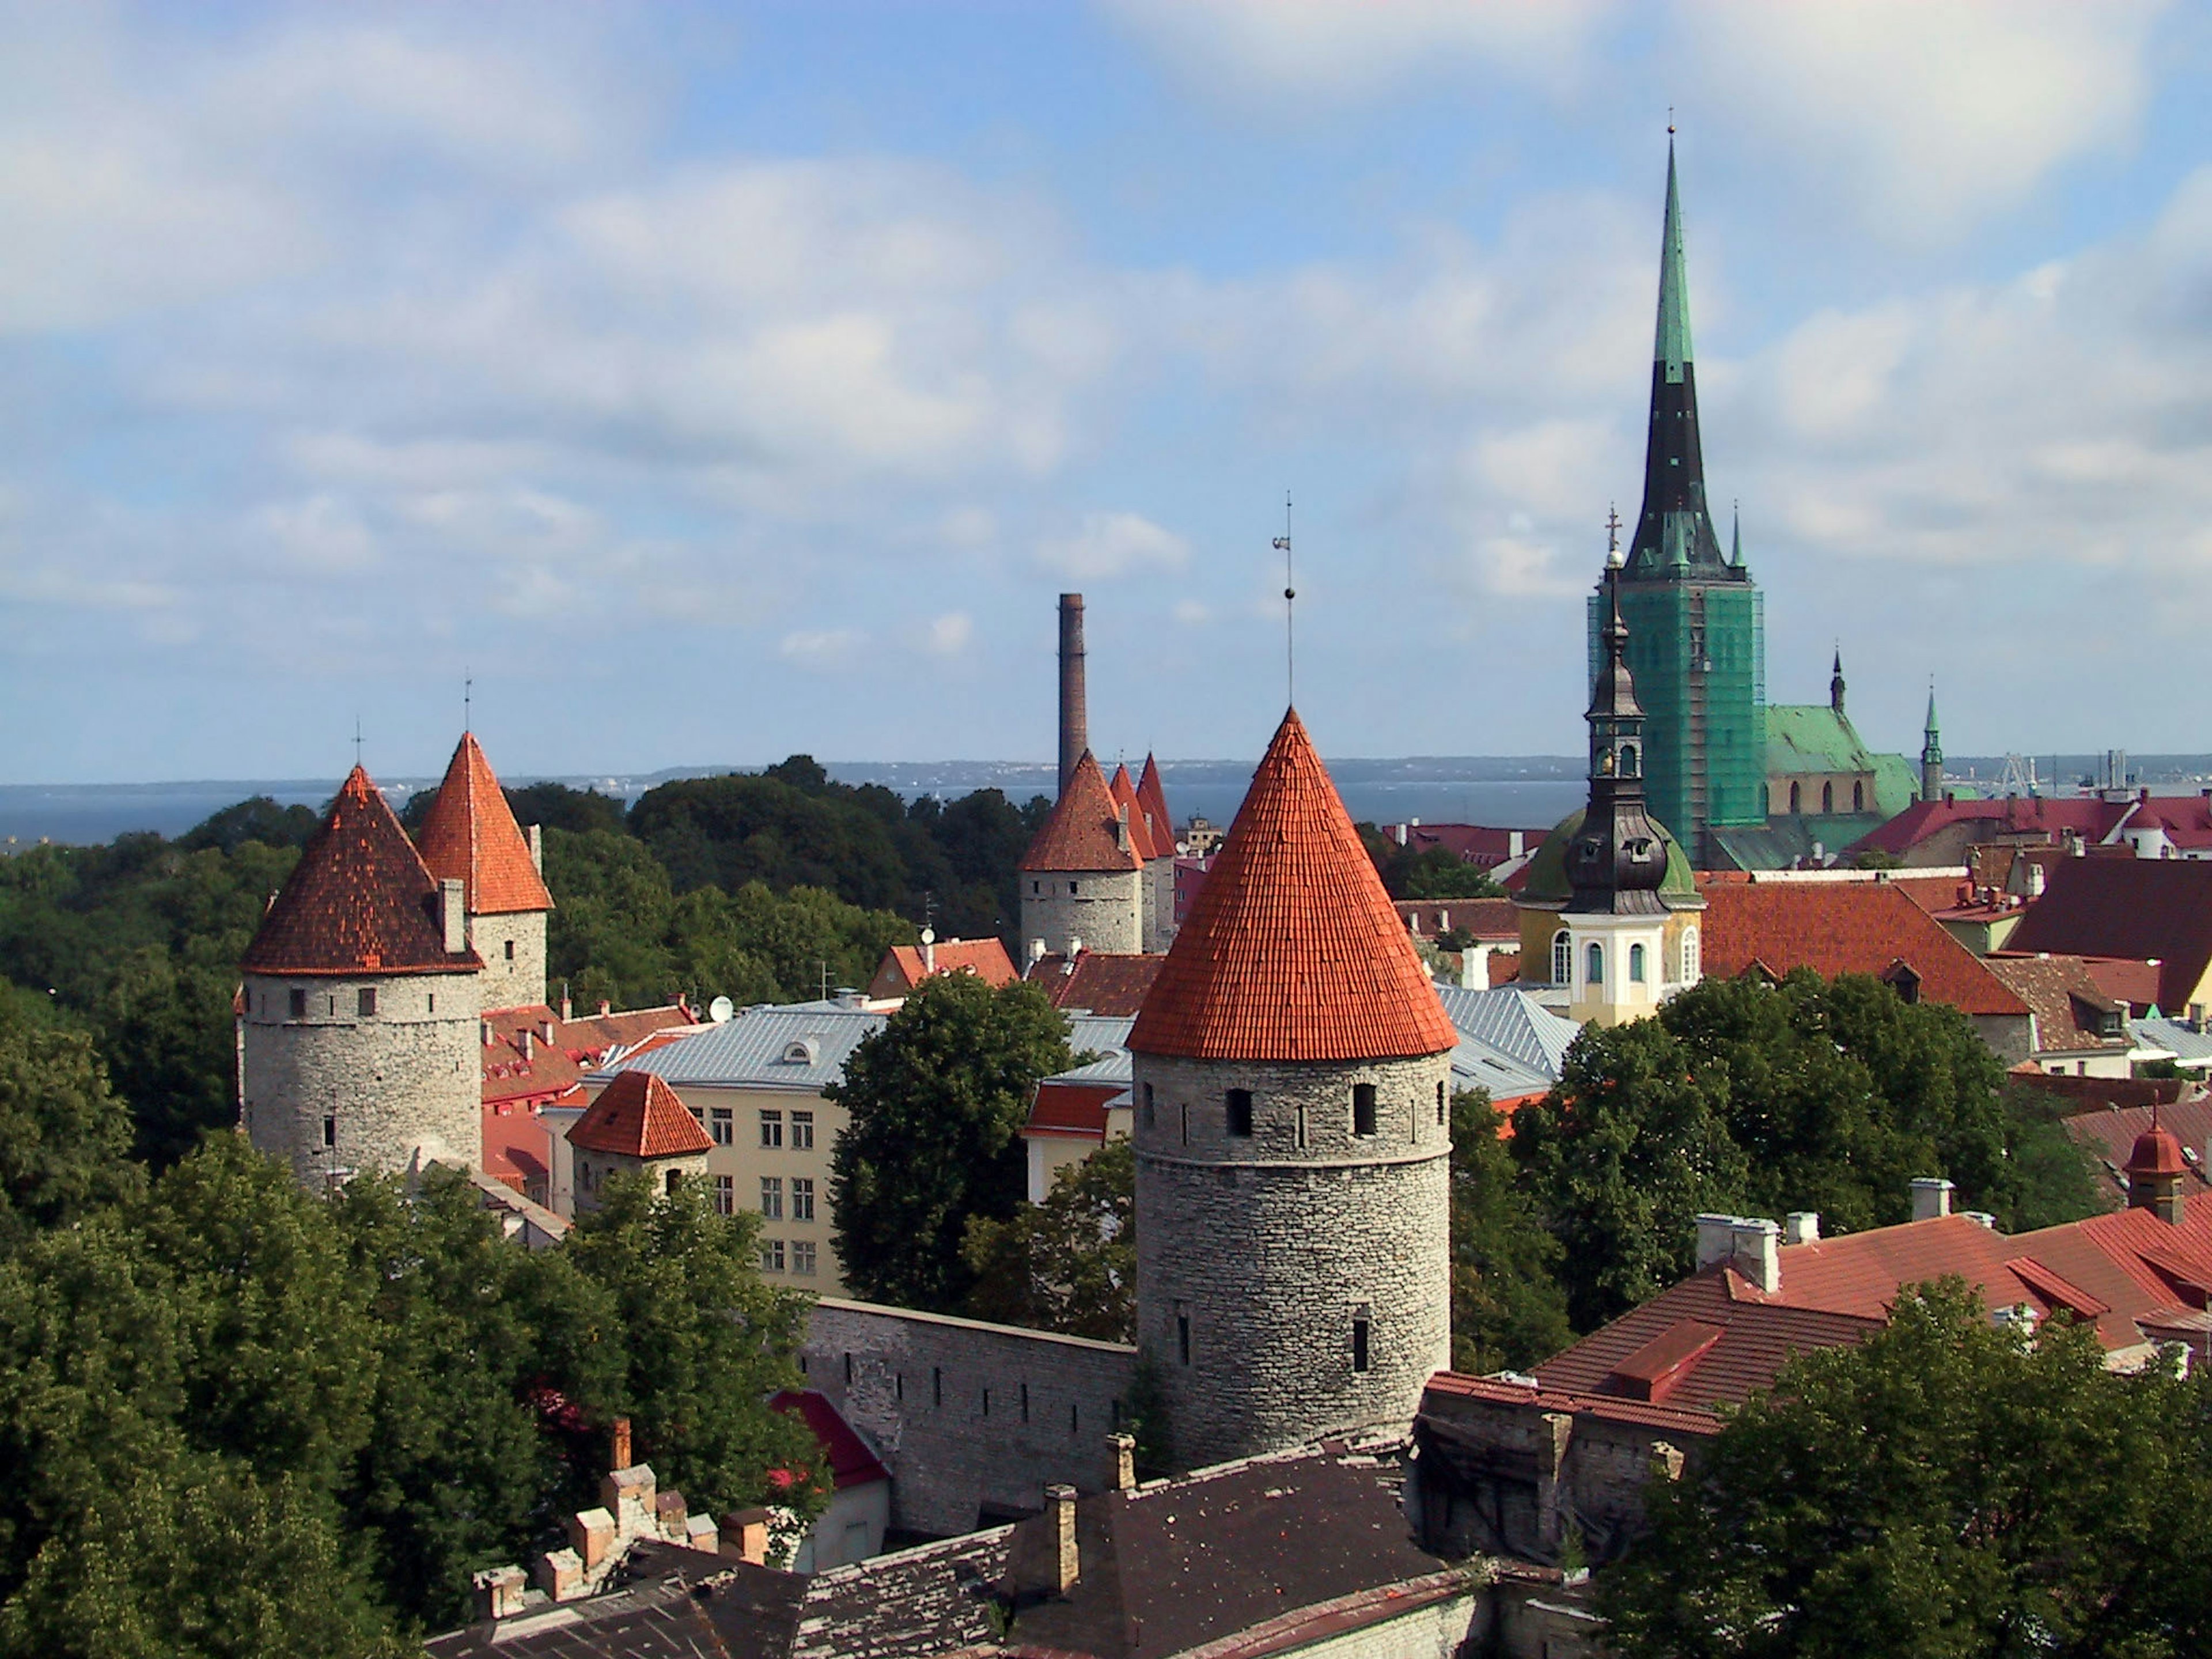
[
  {"x": 358, "y": 1042},
  {"x": 1083, "y": 876},
  {"x": 470, "y": 834},
  {"x": 1292, "y": 1086}
]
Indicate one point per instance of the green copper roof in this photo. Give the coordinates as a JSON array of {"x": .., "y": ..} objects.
[
  {"x": 1931, "y": 711},
  {"x": 1673, "y": 348},
  {"x": 1548, "y": 884}
]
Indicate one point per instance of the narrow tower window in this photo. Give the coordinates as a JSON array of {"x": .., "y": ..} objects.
[
  {"x": 1151, "y": 1112},
  {"x": 1359, "y": 1345},
  {"x": 1362, "y": 1108},
  {"x": 365, "y": 1002},
  {"x": 1240, "y": 1111},
  {"x": 329, "y": 1132},
  {"x": 1186, "y": 1124},
  {"x": 1442, "y": 1110},
  {"x": 1595, "y": 972},
  {"x": 1183, "y": 1332},
  {"x": 1636, "y": 963},
  {"x": 937, "y": 1386},
  {"x": 1563, "y": 958},
  {"x": 299, "y": 1004},
  {"x": 1827, "y": 797},
  {"x": 1690, "y": 964},
  {"x": 1796, "y": 797}
]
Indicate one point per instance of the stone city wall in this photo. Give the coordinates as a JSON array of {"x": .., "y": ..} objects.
[
  {"x": 1275, "y": 1251},
  {"x": 407, "y": 1076},
  {"x": 520, "y": 981},
  {"x": 973, "y": 1420}
]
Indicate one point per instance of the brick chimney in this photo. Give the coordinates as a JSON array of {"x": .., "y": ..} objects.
[
  {"x": 1075, "y": 719},
  {"x": 1931, "y": 1197},
  {"x": 1125, "y": 1460},
  {"x": 452, "y": 895},
  {"x": 619, "y": 1457},
  {"x": 1059, "y": 1504}
]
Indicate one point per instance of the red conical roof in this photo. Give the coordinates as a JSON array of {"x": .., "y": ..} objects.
[
  {"x": 1123, "y": 788},
  {"x": 1080, "y": 835},
  {"x": 2157, "y": 1153},
  {"x": 638, "y": 1115},
  {"x": 472, "y": 834},
  {"x": 359, "y": 901},
  {"x": 1292, "y": 951},
  {"x": 1152, "y": 803}
]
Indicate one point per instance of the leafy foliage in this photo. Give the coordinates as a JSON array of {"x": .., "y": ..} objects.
[
  {"x": 1943, "y": 1488},
  {"x": 1435, "y": 874},
  {"x": 1507, "y": 1310},
  {"x": 1070, "y": 1263},
  {"x": 936, "y": 1095},
  {"x": 1762, "y": 1098}
]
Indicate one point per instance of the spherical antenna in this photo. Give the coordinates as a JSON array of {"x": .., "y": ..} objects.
[
  {"x": 720, "y": 1009},
  {"x": 929, "y": 936}
]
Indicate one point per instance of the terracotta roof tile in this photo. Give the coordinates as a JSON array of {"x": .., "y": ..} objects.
[
  {"x": 1110, "y": 983},
  {"x": 2138, "y": 908},
  {"x": 1123, "y": 788},
  {"x": 1292, "y": 951},
  {"x": 1081, "y": 834},
  {"x": 1845, "y": 927},
  {"x": 2069, "y": 1005},
  {"x": 639, "y": 1116},
  {"x": 2109, "y": 1136},
  {"x": 903, "y": 967},
  {"x": 358, "y": 902},
  {"x": 470, "y": 834},
  {"x": 1072, "y": 1110},
  {"x": 1152, "y": 802}
]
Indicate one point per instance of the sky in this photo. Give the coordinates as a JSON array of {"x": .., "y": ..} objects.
[{"x": 712, "y": 383}]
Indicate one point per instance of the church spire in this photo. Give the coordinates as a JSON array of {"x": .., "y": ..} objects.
[
  {"x": 1836, "y": 682},
  {"x": 1674, "y": 531},
  {"x": 1616, "y": 861},
  {"x": 1931, "y": 754}
]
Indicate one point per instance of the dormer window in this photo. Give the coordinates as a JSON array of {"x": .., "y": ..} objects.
[{"x": 801, "y": 1051}]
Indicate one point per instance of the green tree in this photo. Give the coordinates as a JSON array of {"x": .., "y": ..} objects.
[
  {"x": 557, "y": 807},
  {"x": 1943, "y": 1488},
  {"x": 937, "y": 1097},
  {"x": 1622, "y": 1156},
  {"x": 1509, "y": 1309},
  {"x": 64, "y": 1137},
  {"x": 259, "y": 819},
  {"x": 2050, "y": 1177},
  {"x": 704, "y": 1343},
  {"x": 1070, "y": 1263}
]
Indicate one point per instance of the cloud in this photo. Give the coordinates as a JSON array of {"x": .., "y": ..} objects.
[
  {"x": 316, "y": 535},
  {"x": 1191, "y": 613},
  {"x": 824, "y": 649},
  {"x": 1111, "y": 544},
  {"x": 949, "y": 633}
]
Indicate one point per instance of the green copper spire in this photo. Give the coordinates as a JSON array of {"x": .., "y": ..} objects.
[
  {"x": 1673, "y": 347},
  {"x": 1931, "y": 754},
  {"x": 1930, "y": 730}
]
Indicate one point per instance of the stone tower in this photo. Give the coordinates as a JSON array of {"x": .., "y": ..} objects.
[
  {"x": 471, "y": 836},
  {"x": 1291, "y": 1089},
  {"x": 1932, "y": 754},
  {"x": 638, "y": 1122},
  {"x": 1083, "y": 878},
  {"x": 1695, "y": 625},
  {"x": 358, "y": 1041},
  {"x": 1159, "y": 863}
]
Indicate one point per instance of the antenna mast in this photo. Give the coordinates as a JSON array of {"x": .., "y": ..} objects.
[
  {"x": 468, "y": 690},
  {"x": 1290, "y": 603}
]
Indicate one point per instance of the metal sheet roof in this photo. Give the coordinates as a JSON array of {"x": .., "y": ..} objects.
[{"x": 1512, "y": 1025}]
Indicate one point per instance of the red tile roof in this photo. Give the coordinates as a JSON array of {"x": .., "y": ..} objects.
[
  {"x": 1110, "y": 983},
  {"x": 530, "y": 1056},
  {"x": 638, "y": 1115},
  {"x": 1843, "y": 928},
  {"x": 1484, "y": 918},
  {"x": 2135, "y": 983},
  {"x": 2069, "y": 1005},
  {"x": 1072, "y": 1111},
  {"x": 1292, "y": 951},
  {"x": 470, "y": 834},
  {"x": 2156, "y": 1153},
  {"x": 850, "y": 1463},
  {"x": 904, "y": 966},
  {"x": 2138, "y": 908},
  {"x": 2109, "y": 1136},
  {"x": 1083, "y": 834},
  {"x": 358, "y": 902},
  {"x": 1152, "y": 803},
  {"x": 1123, "y": 788}
]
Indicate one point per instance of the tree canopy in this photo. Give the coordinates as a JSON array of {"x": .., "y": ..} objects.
[
  {"x": 1759, "y": 1099},
  {"x": 1508, "y": 1310},
  {"x": 937, "y": 1097},
  {"x": 1068, "y": 1264},
  {"x": 1943, "y": 1488},
  {"x": 1433, "y": 873}
]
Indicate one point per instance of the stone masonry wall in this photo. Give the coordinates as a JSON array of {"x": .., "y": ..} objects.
[
  {"x": 511, "y": 984},
  {"x": 968, "y": 1417},
  {"x": 1271, "y": 1246},
  {"x": 1105, "y": 910},
  {"x": 407, "y": 1076},
  {"x": 1159, "y": 906}
]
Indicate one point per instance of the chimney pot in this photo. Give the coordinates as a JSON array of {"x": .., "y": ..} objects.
[
  {"x": 1801, "y": 1227},
  {"x": 1060, "y": 1500},
  {"x": 1931, "y": 1197},
  {"x": 619, "y": 1459},
  {"x": 1715, "y": 1239},
  {"x": 1756, "y": 1252},
  {"x": 745, "y": 1536},
  {"x": 452, "y": 895},
  {"x": 537, "y": 847},
  {"x": 1125, "y": 1460},
  {"x": 499, "y": 1591}
]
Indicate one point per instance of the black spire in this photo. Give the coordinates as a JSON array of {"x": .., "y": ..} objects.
[
  {"x": 1617, "y": 860},
  {"x": 1836, "y": 682},
  {"x": 1674, "y": 532}
]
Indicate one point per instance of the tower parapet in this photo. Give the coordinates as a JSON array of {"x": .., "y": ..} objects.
[{"x": 1292, "y": 1085}]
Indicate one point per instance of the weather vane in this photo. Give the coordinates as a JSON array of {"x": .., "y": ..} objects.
[
  {"x": 1290, "y": 601},
  {"x": 468, "y": 691}
]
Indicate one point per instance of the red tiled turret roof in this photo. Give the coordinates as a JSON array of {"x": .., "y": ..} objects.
[
  {"x": 1081, "y": 834},
  {"x": 1123, "y": 789},
  {"x": 470, "y": 834},
  {"x": 359, "y": 901},
  {"x": 1153, "y": 804},
  {"x": 2157, "y": 1152},
  {"x": 638, "y": 1115},
  {"x": 1292, "y": 951}
]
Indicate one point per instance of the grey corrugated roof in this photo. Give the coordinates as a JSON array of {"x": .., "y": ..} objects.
[
  {"x": 748, "y": 1051},
  {"x": 2188, "y": 1046},
  {"x": 1510, "y": 1023},
  {"x": 1105, "y": 1038}
]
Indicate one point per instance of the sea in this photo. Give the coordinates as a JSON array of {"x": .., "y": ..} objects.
[{"x": 1528, "y": 791}]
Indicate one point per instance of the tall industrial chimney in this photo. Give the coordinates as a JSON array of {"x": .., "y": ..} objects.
[{"x": 1075, "y": 722}]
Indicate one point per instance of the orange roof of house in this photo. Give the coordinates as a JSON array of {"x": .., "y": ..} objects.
[
  {"x": 1112, "y": 983},
  {"x": 1292, "y": 951},
  {"x": 1845, "y": 927},
  {"x": 638, "y": 1115},
  {"x": 1152, "y": 807},
  {"x": 904, "y": 966},
  {"x": 1083, "y": 832},
  {"x": 358, "y": 902},
  {"x": 1123, "y": 788},
  {"x": 470, "y": 834}
]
